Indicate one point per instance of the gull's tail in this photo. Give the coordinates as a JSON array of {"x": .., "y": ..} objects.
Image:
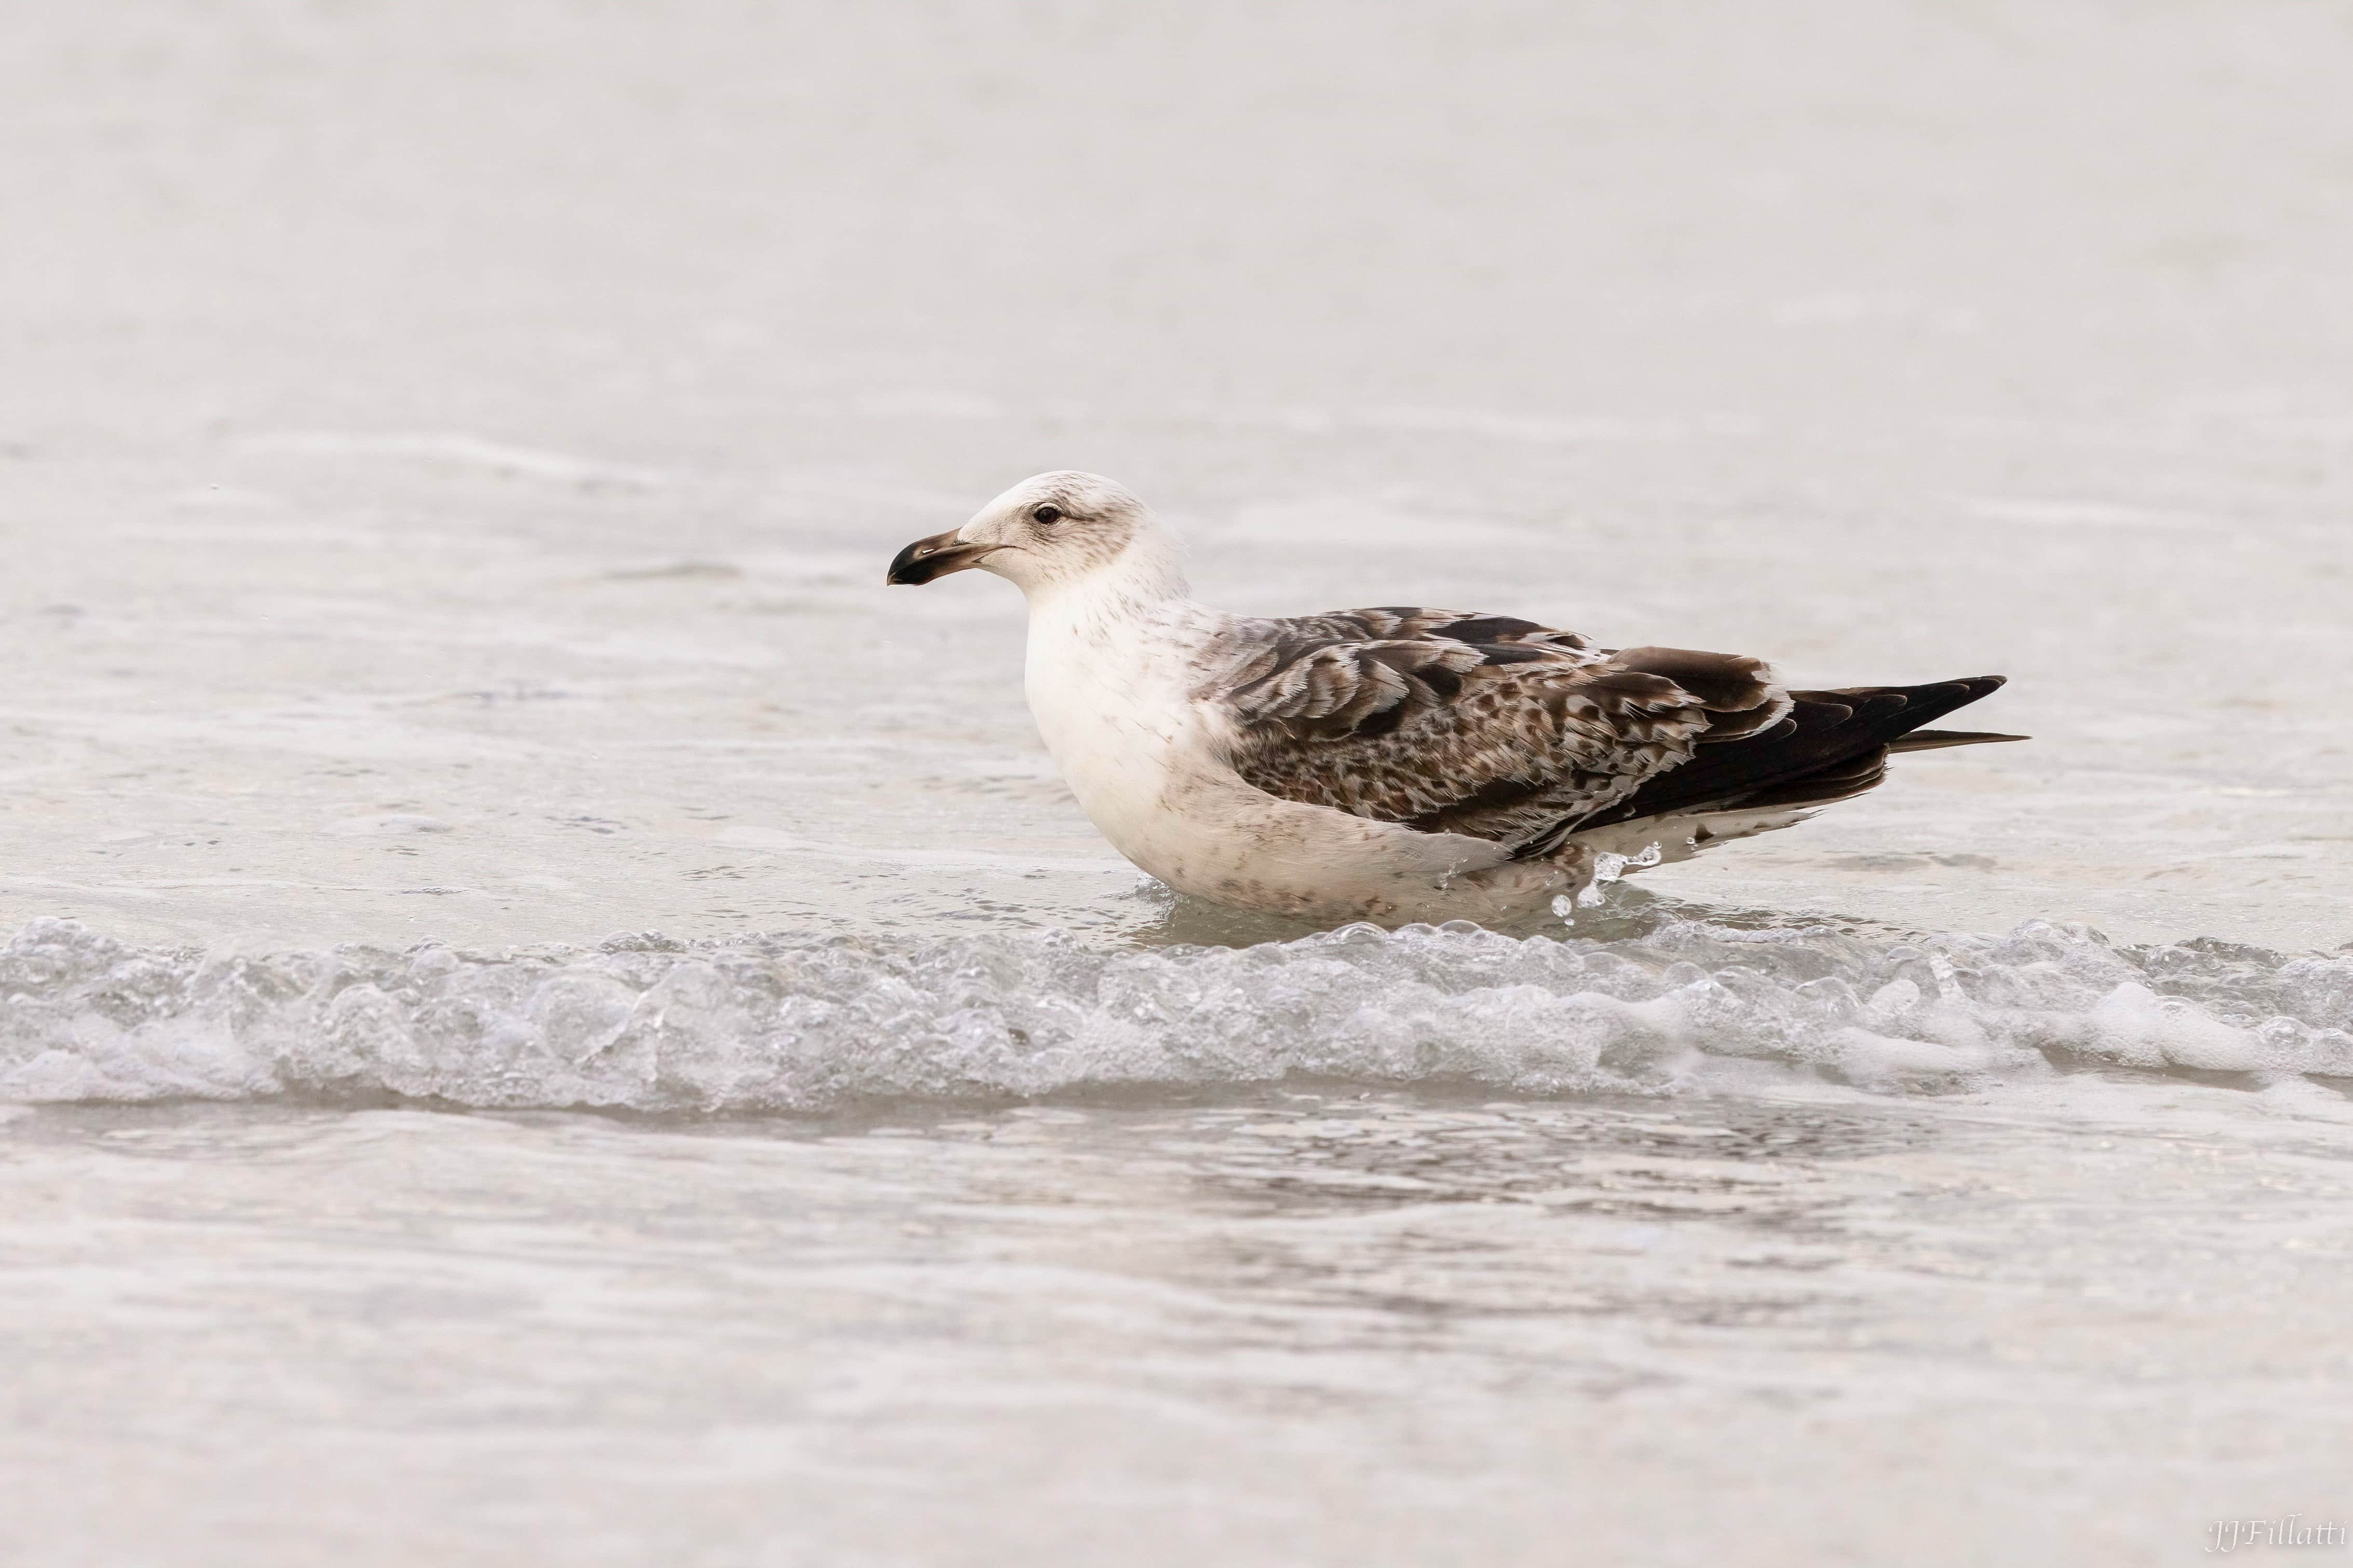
[{"x": 1833, "y": 746}]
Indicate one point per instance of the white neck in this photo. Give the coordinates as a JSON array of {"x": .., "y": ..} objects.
[
  {"x": 1108, "y": 698},
  {"x": 1149, "y": 572}
]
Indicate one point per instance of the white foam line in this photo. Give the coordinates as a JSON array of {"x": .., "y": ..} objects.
[
  {"x": 156, "y": 889},
  {"x": 2079, "y": 514},
  {"x": 464, "y": 451},
  {"x": 1540, "y": 429},
  {"x": 1548, "y": 430},
  {"x": 769, "y": 838}
]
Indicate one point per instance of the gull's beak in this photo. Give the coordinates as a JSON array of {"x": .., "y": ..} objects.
[{"x": 935, "y": 557}]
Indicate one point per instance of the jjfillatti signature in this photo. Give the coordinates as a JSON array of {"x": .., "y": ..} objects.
[{"x": 2231, "y": 1534}]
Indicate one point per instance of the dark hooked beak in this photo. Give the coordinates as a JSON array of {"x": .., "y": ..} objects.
[{"x": 935, "y": 557}]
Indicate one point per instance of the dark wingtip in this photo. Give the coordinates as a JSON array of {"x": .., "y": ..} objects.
[{"x": 1931, "y": 739}]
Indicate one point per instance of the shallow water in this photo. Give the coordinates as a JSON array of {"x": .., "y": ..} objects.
[
  {"x": 447, "y": 479},
  {"x": 1382, "y": 1322}
]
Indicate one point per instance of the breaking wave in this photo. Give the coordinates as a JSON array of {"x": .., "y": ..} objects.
[{"x": 806, "y": 1022}]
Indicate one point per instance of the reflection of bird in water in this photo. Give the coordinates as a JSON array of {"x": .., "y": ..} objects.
[{"x": 1395, "y": 763}]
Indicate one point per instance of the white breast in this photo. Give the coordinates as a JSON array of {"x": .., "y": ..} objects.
[
  {"x": 1111, "y": 688},
  {"x": 1109, "y": 698}
]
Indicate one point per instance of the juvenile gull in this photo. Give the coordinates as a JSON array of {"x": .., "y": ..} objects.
[{"x": 1395, "y": 763}]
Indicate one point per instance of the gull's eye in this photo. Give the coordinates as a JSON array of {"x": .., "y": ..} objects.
[{"x": 1049, "y": 513}]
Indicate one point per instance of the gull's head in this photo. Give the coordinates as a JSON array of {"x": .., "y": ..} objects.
[{"x": 1051, "y": 531}]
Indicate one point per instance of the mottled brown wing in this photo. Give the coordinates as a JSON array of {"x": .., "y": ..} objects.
[{"x": 1483, "y": 725}]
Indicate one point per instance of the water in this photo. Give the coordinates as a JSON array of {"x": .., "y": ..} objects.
[
  {"x": 800, "y": 1023},
  {"x": 544, "y": 1015}
]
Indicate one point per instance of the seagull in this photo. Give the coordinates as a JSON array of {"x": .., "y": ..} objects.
[{"x": 1397, "y": 763}]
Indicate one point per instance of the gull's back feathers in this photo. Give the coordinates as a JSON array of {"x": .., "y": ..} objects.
[{"x": 1503, "y": 729}]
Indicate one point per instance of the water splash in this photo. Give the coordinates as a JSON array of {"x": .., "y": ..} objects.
[
  {"x": 1608, "y": 869},
  {"x": 800, "y": 1022}
]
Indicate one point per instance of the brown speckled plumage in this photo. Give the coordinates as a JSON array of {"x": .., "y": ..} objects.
[{"x": 1482, "y": 725}]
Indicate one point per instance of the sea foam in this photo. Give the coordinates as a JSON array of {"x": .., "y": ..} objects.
[{"x": 804, "y": 1022}]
